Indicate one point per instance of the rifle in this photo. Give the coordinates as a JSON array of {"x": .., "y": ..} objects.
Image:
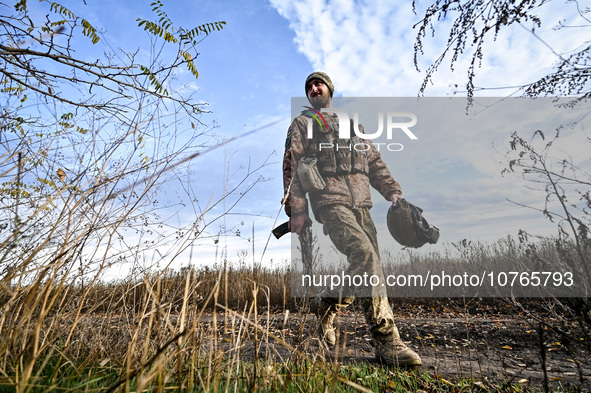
[
  {"x": 281, "y": 230},
  {"x": 306, "y": 241}
]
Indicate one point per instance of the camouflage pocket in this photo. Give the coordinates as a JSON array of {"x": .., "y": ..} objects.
[{"x": 309, "y": 176}]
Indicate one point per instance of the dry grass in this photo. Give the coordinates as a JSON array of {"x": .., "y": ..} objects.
[
  {"x": 154, "y": 335},
  {"x": 173, "y": 330}
]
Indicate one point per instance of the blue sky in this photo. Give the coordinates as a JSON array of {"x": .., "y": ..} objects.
[{"x": 251, "y": 69}]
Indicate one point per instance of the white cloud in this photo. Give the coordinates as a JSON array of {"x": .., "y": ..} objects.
[
  {"x": 454, "y": 169},
  {"x": 367, "y": 46}
]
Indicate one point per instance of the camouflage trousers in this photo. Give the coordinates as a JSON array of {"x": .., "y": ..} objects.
[{"x": 353, "y": 233}]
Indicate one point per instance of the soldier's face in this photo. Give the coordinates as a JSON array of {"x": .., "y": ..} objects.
[{"x": 318, "y": 94}]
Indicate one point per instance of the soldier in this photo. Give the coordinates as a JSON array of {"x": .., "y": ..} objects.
[{"x": 342, "y": 207}]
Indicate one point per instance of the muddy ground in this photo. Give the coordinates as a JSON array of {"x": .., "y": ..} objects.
[{"x": 483, "y": 347}]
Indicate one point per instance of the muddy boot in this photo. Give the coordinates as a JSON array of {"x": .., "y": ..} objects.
[
  {"x": 325, "y": 316},
  {"x": 396, "y": 353}
]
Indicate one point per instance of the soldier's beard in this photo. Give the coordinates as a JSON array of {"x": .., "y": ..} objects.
[{"x": 320, "y": 102}]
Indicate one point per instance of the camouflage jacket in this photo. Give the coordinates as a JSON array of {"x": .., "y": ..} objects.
[{"x": 351, "y": 189}]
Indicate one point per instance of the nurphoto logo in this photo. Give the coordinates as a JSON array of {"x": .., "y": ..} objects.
[{"x": 394, "y": 121}]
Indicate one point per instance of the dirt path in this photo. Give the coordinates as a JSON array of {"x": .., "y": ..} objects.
[{"x": 478, "y": 347}]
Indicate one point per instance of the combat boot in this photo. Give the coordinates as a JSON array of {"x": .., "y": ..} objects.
[
  {"x": 396, "y": 353},
  {"x": 325, "y": 318}
]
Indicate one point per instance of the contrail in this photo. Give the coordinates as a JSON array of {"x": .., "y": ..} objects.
[{"x": 195, "y": 155}]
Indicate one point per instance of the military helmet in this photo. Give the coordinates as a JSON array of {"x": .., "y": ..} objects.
[{"x": 408, "y": 226}]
